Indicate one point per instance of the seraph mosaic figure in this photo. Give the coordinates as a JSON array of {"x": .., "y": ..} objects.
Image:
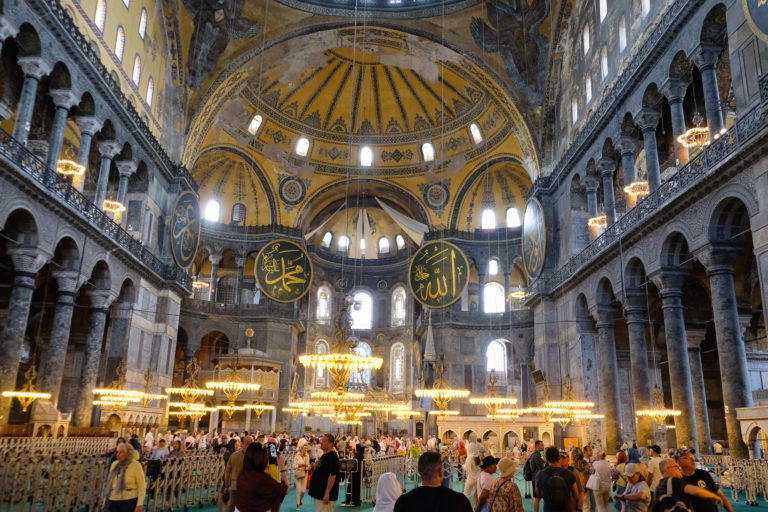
[
  {"x": 217, "y": 22},
  {"x": 514, "y": 32}
]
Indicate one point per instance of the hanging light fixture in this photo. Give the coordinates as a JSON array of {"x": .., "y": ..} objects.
[
  {"x": 601, "y": 221},
  {"x": 27, "y": 394},
  {"x": 116, "y": 395},
  {"x": 69, "y": 168},
  {"x": 233, "y": 386},
  {"x": 147, "y": 396},
  {"x": 696, "y": 137},
  {"x": 441, "y": 393},
  {"x": 295, "y": 411},
  {"x": 190, "y": 392},
  {"x": 637, "y": 188},
  {"x": 493, "y": 401},
  {"x": 197, "y": 284},
  {"x": 111, "y": 206},
  {"x": 658, "y": 413}
]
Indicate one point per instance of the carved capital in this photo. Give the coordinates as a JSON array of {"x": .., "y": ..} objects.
[
  {"x": 215, "y": 258},
  {"x": 674, "y": 89},
  {"x": 88, "y": 124},
  {"x": 126, "y": 167},
  {"x": 35, "y": 67},
  {"x": 109, "y": 148},
  {"x": 606, "y": 165},
  {"x": 591, "y": 184},
  {"x": 240, "y": 262},
  {"x": 586, "y": 323},
  {"x": 694, "y": 336},
  {"x": 27, "y": 259},
  {"x": 6, "y": 29},
  {"x": 648, "y": 119},
  {"x": 745, "y": 318},
  {"x": 668, "y": 279},
  {"x": 100, "y": 299},
  {"x": 606, "y": 315},
  {"x": 64, "y": 98},
  {"x": 626, "y": 144},
  {"x": 706, "y": 55},
  {"x": 66, "y": 280}
]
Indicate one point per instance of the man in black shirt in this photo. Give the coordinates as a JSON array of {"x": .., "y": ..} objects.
[
  {"x": 555, "y": 485},
  {"x": 702, "y": 479},
  {"x": 680, "y": 489},
  {"x": 431, "y": 496},
  {"x": 324, "y": 486}
]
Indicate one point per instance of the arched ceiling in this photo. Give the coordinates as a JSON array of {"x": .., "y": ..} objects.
[{"x": 501, "y": 186}]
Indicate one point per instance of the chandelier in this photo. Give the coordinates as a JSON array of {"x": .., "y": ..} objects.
[
  {"x": 232, "y": 386},
  {"x": 113, "y": 206},
  {"x": 147, "y": 396},
  {"x": 441, "y": 393},
  {"x": 259, "y": 407},
  {"x": 601, "y": 221},
  {"x": 569, "y": 408},
  {"x": 116, "y": 396},
  {"x": 637, "y": 188},
  {"x": 69, "y": 168},
  {"x": 295, "y": 411},
  {"x": 27, "y": 394},
  {"x": 658, "y": 413},
  {"x": 189, "y": 392},
  {"x": 493, "y": 401},
  {"x": 198, "y": 285},
  {"x": 230, "y": 409},
  {"x": 194, "y": 411},
  {"x": 696, "y": 137}
]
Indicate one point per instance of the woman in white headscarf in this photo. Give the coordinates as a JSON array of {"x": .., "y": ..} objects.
[
  {"x": 126, "y": 483},
  {"x": 387, "y": 491}
]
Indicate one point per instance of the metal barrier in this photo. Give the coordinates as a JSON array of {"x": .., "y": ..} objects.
[
  {"x": 374, "y": 468},
  {"x": 747, "y": 476},
  {"x": 182, "y": 483},
  {"x": 49, "y": 446}
]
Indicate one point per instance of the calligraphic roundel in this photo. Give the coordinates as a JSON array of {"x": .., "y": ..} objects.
[
  {"x": 185, "y": 229},
  {"x": 283, "y": 270},
  {"x": 756, "y": 12},
  {"x": 534, "y": 238},
  {"x": 438, "y": 274}
]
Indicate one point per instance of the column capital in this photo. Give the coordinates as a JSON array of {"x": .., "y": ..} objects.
[
  {"x": 634, "y": 306},
  {"x": 66, "y": 280},
  {"x": 126, "y": 167},
  {"x": 674, "y": 89},
  {"x": 215, "y": 258},
  {"x": 606, "y": 315},
  {"x": 109, "y": 148},
  {"x": 647, "y": 119},
  {"x": 64, "y": 98},
  {"x": 34, "y": 66},
  {"x": 591, "y": 184},
  {"x": 745, "y": 318},
  {"x": 100, "y": 299},
  {"x": 606, "y": 165},
  {"x": 705, "y": 55},
  {"x": 626, "y": 144},
  {"x": 717, "y": 258},
  {"x": 586, "y": 323},
  {"x": 240, "y": 261},
  {"x": 7, "y": 29},
  {"x": 669, "y": 279},
  {"x": 694, "y": 336},
  {"x": 28, "y": 260},
  {"x": 88, "y": 124}
]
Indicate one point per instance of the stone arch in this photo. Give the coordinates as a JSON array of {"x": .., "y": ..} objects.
[
  {"x": 508, "y": 439},
  {"x": 729, "y": 222},
  {"x": 60, "y": 77},
  {"x": 578, "y": 194},
  {"x": 581, "y": 306},
  {"x": 21, "y": 228},
  {"x": 467, "y": 433},
  {"x": 675, "y": 252},
  {"x": 448, "y": 436},
  {"x": 87, "y": 105},
  {"x": 212, "y": 343},
  {"x": 28, "y": 41},
  {"x": 100, "y": 276},
  {"x": 652, "y": 97},
  {"x": 66, "y": 255},
  {"x": 634, "y": 274},
  {"x": 714, "y": 28},
  {"x": 680, "y": 67}
]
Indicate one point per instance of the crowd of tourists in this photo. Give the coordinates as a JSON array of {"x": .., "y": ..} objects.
[{"x": 256, "y": 471}]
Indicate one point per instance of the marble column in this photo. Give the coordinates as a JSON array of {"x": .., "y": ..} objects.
[
  {"x": 731, "y": 351},
  {"x": 694, "y": 339},
  {"x": 215, "y": 260},
  {"x": 88, "y": 125},
  {"x": 637, "y": 320},
  {"x": 606, "y": 166},
  {"x": 108, "y": 150},
  {"x": 117, "y": 342},
  {"x": 525, "y": 384},
  {"x": 507, "y": 291},
  {"x": 670, "y": 282},
  {"x": 64, "y": 100},
  {"x": 648, "y": 119},
  {"x": 705, "y": 57},
  {"x": 125, "y": 168},
  {"x": 34, "y": 69},
  {"x": 591, "y": 186},
  {"x": 482, "y": 279},
  {"x": 626, "y": 146},
  {"x": 97, "y": 321},
  {"x": 52, "y": 366},
  {"x": 6, "y": 30},
  {"x": 608, "y": 376},
  {"x": 27, "y": 261},
  {"x": 674, "y": 90},
  {"x": 240, "y": 274}
]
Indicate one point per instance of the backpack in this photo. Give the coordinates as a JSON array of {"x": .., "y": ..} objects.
[
  {"x": 669, "y": 502},
  {"x": 528, "y": 471},
  {"x": 558, "y": 493}
]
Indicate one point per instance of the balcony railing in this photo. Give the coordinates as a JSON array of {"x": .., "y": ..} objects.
[
  {"x": 33, "y": 167},
  {"x": 264, "y": 308},
  {"x": 687, "y": 176}
]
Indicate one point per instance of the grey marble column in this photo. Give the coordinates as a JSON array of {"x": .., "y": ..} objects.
[
  {"x": 591, "y": 186},
  {"x": 34, "y": 69},
  {"x": 52, "y": 365},
  {"x": 482, "y": 278},
  {"x": 606, "y": 166},
  {"x": 705, "y": 57},
  {"x": 125, "y": 168},
  {"x": 88, "y": 125},
  {"x": 240, "y": 274},
  {"x": 669, "y": 283},
  {"x": 525, "y": 384},
  {"x": 64, "y": 100},
  {"x": 694, "y": 338},
  {"x": 608, "y": 376},
  {"x": 648, "y": 119},
  {"x": 100, "y": 300},
  {"x": 674, "y": 90},
  {"x": 27, "y": 261},
  {"x": 6, "y": 30},
  {"x": 215, "y": 260},
  {"x": 637, "y": 320},
  {"x": 108, "y": 150},
  {"x": 731, "y": 352},
  {"x": 117, "y": 341},
  {"x": 626, "y": 146}
]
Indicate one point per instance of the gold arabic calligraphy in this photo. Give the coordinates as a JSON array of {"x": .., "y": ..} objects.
[
  {"x": 438, "y": 276},
  {"x": 284, "y": 270},
  {"x": 186, "y": 224}
]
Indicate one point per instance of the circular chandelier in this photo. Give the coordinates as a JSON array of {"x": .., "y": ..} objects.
[
  {"x": 190, "y": 392},
  {"x": 232, "y": 387},
  {"x": 637, "y": 188},
  {"x": 27, "y": 394},
  {"x": 696, "y": 137},
  {"x": 658, "y": 413},
  {"x": 116, "y": 396},
  {"x": 493, "y": 401},
  {"x": 147, "y": 396},
  {"x": 295, "y": 411},
  {"x": 230, "y": 409},
  {"x": 601, "y": 221},
  {"x": 440, "y": 392},
  {"x": 69, "y": 168},
  {"x": 113, "y": 206}
]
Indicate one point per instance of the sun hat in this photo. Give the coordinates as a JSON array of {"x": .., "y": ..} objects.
[
  {"x": 506, "y": 467},
  {"x": 488, "y": 460}
]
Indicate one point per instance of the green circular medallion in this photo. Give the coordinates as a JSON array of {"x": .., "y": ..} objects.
[
  {"x": 185, "y": 229},
  {"x": 283, "y": 270},
  {"x": 438, "y": 274},
  {"x": 534, "y": 238},
  {"x": 756, "y": 12}
]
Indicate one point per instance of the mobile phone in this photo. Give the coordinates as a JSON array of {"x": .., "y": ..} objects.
[{"x": 272, "y": 450}]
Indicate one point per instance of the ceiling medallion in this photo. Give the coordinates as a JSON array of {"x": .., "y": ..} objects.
[
  {"x": 292, "y": 191},
  {"x": 436, "y": 195}
]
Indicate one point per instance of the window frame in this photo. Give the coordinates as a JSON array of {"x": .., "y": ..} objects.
[
  {"x": 499, "y": 302},
  {"x": 207, "y": 209},
  {"x": 100, "y": 16},
  {"x": 150, "y": 91},
  {"x": 475, "y": 133},
  {"x": 120, "y": 43},
  {"x": 517, "y": 216},
  {"x": 136, "y": 75},
  {"x": 487, "y": 213},
  {"x": 428, "y": 152},
  {"x": 143, "y": 23},
  {"x": 366, "y": 156},
  {"x": 399, "y": 320},
  {"x": 366, "y": 316}
]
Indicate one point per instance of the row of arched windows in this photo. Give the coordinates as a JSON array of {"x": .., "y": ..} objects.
[
  {"x": 362, "y": 312},
  {"x": 100, "y": 17},
  {"x": 342, "y": 243},
  {"x": 488, "y": 218},
  {"x": 212, "y": 212}
]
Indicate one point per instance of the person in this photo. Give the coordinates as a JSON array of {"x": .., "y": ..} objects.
[
  {"x": 633, "y": 454},
  {"x": 602, "y": 468},
  {"x": 324, "y": 485},
  {"x": 126, "y": 483},
  {"x": 446, "y": 458},
  {"x": 636, "y": 496},
  {"x": 654, "y": 468},
  {"x": 555, "y": 486},
  {"x": 717, "y": 448},
  {"x": 702, "y": 479},
  {"x": 619, "y": 481},
  {"x": 257, "y": 491},
  {"x": 484, "y": 482},
  {"x": 149, "y": 440},
  {"x": 504, "y": 494},
  {"x": 461, "y": 449},
  {"x": 177, "y": 449},
  {"x": 232, "y": 471},
  {"x": 387, "y": 491},
  {"x": 471, "y": 473},
  {"x": 674, "y": 485},
  {"x": 161, "y": 452},
  {"x": 431, "y": 496},
  {"x": 300, "y": 472}
]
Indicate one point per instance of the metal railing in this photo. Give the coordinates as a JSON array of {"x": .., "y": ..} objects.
[
  {"x": 15, "y": 446},
  {"x": 33, "y": 167},
  {"x": 743, "y": 476}
]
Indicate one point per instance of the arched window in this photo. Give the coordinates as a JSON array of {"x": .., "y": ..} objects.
[
  {"x": 213, "y": 211},
  {"x": 496, "y": 359},
  {"x": 588, "y": 87},
  {"x": 513, "y": 218},
  {"x": 622, "y": 34},
  {"x": 321, "y": 347},
  {"x": 493, "y": 298},
  {"x": 327, "y": 239},
  {"x": 398, "y": 306},
  {"x": 493, "y": 267},
  {"x": 143, "y": 23},
  {"x": 362, "y": 311},
  {"x": 366, "y": 156},
  {"x": 477, "y": 136},
  {"x": 400, "y": 241},
  {"x": 238, "y": 213},
  {"x": 100, "y": 18},
  {"x": 255, "y": 123},
  {"x": 343, "y": 243},
  {"x": 488, "y": 219},
  {"x": 585, "y": 38},
  {"x": 383, "y": 245},
  {"x": 603, "y": 9},
  {"x": 397, "y": 368},
  {"x": 323, "y": 310},
  {"x": 302, "y": 146},
  {"x": 574, "y": 111},
  {"x": 645, "y": 6},
  {"x": 137, "y": 70},
  {"x": 428, "y": 151},
  {"x": 150, "y": 91},
  {"x": 362, "y": 245},
  {"x": 361, "y": 377},
  {"x": 604, "y": 62},
  {"x": 120, "y": 43}
]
